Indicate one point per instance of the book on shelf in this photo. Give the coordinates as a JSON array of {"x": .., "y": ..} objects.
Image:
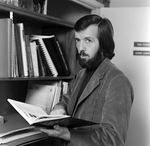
[
  {"x": 19, "y": 60},
  {"x": 6, "y": 47},
  {"x": 21, "y": 32},
  {"x": 58, "y": 57},
  {"x": 55, "y": 46},
  {"x": 35, "y": 115},
  {"x": 34, "y": 59},
  {"x": 14, "y": 54},
  {"x": 29, "y": 56},
  {"x": 43, "y": 95},
  {"x": 47, "y": 56},
  {"x": 44, "y": 68},
  {"x": 42, "y": 71}
]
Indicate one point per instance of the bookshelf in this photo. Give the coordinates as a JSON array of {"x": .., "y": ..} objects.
[{"x": 39, "y": 24}]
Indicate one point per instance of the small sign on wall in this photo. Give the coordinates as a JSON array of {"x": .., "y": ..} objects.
[
  {"x": 141, "y": 53},
  {"x": 141, "y": 44}
]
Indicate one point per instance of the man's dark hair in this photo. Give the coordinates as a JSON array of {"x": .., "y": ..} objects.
[{"x": 105, "y": 32}]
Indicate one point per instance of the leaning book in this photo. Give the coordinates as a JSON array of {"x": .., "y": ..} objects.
[{"x": 35, "y": 115}]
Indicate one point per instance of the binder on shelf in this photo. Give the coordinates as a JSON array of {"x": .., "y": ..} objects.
[
  {"x": 55, "y": 47},
  {"x": 47, "y": 56},
  {"x": 44, "y": 65},
  {"x": 52, "y": 44},
  {"x": 6, "y": 48}
]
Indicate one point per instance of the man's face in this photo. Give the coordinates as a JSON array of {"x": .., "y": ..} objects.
[{"x": 87, "y": 45}]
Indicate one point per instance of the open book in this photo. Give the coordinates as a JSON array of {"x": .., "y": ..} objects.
[{"x": 35, "y": 115}]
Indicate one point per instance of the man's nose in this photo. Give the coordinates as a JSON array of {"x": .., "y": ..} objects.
[{"x": 81, "y": 46}]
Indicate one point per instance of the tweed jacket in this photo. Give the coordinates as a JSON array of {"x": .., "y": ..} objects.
[{"x": 107, "y": 100}]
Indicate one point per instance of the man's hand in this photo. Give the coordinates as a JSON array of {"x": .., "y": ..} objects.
[
  {"x": 60, "y": 132},
  {"x": 58, "y": 110}
]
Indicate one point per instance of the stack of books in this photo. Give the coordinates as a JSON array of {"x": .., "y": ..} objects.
[{"x": 29, "y": 55}]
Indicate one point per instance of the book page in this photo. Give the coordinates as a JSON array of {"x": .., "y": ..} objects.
[
  {"x": 27, "y": 111},
  {"x": 41, "y": 95}
]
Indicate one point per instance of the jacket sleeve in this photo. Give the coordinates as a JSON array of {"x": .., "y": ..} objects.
[{"x": 112, "y": 129}]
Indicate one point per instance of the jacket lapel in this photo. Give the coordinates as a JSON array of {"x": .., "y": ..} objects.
[
  {"x": 95, "y": 80},
  {"x": 74, "y": 96}
]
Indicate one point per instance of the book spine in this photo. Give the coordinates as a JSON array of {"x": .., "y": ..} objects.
[
  {"x": 34, "y": 58},
  {"x": 48, "y": 58},
  {"x": 29, "y": 56},
  {"x": 14, "y": 54},
  {"x": 47, "y": 71},
  {"x": 19, "y": 61},
  {"x": 23, "y": 49},
  {"x": 6, "y": 47},
  {"x": 60, "y": 55},
  {"x": 40, "y": 63}
]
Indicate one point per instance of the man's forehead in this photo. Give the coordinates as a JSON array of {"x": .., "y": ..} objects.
[{"x": 90, "y": 31}]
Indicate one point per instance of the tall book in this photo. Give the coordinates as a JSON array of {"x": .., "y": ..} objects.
[
  {"x": 23, "y": 48},
  {"x": 47, "y": 55},
  {"x": 6, "y": 48},
  {"x": 34, "y": 59},
  {"x": 14, "y": 54}
]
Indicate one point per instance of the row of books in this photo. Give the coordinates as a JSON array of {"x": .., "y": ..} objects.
[{"x": 29, "y": 55}]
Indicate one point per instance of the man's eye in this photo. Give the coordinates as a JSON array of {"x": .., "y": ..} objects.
[
  {"x": 88, "y": 40},
  {"x": 77, "y": 40}
]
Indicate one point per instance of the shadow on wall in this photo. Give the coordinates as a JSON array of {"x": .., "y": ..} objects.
[
  {"x": 138, "y": 134},
  {"x": 66, "y": 10}
]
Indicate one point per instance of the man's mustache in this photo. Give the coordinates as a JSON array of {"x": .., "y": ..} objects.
[{"x": 82, "y": 53}]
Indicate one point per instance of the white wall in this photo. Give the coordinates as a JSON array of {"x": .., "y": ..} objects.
[
  {"x": 130, "y": 3},
  {"x": 127, "y": 30}
]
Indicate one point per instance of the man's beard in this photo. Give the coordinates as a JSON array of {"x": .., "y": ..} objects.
[{"x": 91, "y": 63}]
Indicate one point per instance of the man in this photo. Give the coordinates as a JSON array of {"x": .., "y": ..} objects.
[{"x": 100, "y": 92}]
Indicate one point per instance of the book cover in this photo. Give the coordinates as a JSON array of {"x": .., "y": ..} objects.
[
  {"x": 54, "y": 46},
  {"x": 6, "y": 48},
  {"x": 35, "y": 115}
]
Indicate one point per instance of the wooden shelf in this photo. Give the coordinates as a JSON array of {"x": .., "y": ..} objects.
[
  {"x": 26, "y": 16},
  {"x": 37, "y": 78},
  {"x": 90, "y": 4}
]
